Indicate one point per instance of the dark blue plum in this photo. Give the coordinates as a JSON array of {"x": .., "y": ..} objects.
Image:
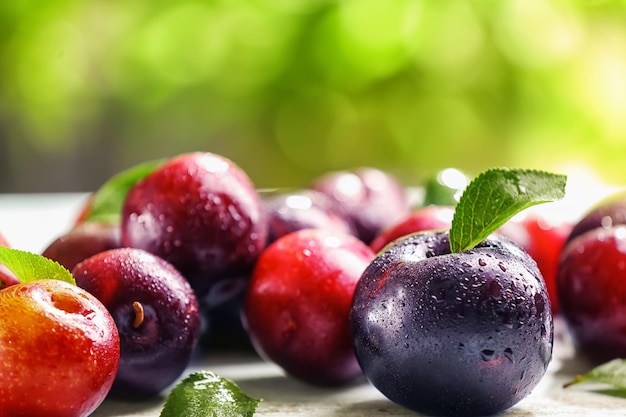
[{"x": 452, "y": 334}]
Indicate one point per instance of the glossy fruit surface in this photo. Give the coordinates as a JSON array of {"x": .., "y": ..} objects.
[
  {"x": 431, "y": 217},
  {"x": 303, "y": 209},
  {"x": 59, "y": 348},
  {"x": 592, "y": 292},
  {"x": 371, "y": 198},
  {"x": 156, "y": 313},
  {"x": 452, "y": 334},
  {"x": 297, "y": 303},
  {"x": 200, "y": 212},
  {"x": 82, "y": 241}
]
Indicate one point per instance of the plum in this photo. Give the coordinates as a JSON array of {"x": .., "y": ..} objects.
[
  {"x": 592, "y": 292},
  {"x": 297, "y": 303},
  {"x": 369, "y": 197},
  {"x": 457, "y": 334},
  {"x": 293, "y": 210},
  {"x": 60, "y": 350},
  {"x": 82, "y": 241},
  {"x": 156, "y": 313},
  {"x": 200, "y": 212}
]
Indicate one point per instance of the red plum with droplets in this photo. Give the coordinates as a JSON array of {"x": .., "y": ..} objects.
[
  {"x": 297, "y": 303},
  {"x": 200, "y": 212},
  {"x": 590, "y": 281}
]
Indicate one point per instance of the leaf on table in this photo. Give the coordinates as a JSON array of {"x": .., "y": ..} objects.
[
  {"x": 206, "y": 394},
  {"x": 611, "y": 373}
]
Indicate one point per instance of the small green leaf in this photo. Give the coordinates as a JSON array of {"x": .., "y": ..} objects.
[
  {"x": 107, "y": 201},
  {"x": 612, "y": 373},
  {"x": 495, "y": 196},
  {"x": 206, "y": 394},
  {"x": 28, "y": 266}
]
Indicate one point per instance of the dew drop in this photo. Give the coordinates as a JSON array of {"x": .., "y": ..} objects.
[
  {"x": 508, "y": 353},
  {"x": 487, "y": 354},
  {"x": 481, "y": 262}
]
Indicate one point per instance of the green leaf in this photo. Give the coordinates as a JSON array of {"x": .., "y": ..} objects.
[
  {"x": 28, "y": 266},
  {"x": 495, "y": 196},
  {"x": 206, "y": 394},
  {"x": 107, "y": 202},
  {"x": 612, "y": 373}
]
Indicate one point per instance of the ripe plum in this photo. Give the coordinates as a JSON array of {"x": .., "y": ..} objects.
[
  {"x": 200, "y": 212},
  {"x": 370, "y": 198},
  {"x": 297, "y": 303},
  {"x": 452, "y": 334},
  {"x": 592, "y": 292},
  {"x": 59, "y": 347},
  {"x": 156, "y": 313}
]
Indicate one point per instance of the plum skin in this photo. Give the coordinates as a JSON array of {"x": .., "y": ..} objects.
[
  {"x": 461, "y": 334},
  {"x": 156, "y": 352},
  {"x": 200, "y": 212},
  {"x": 293, "y": 210},
  {"x": 82, "y": 241},
  {"x": 297, "y": 303},
  {"x": 592, "y": 292},
  {"x": 59, "y": 347},
  {"x": 370, "y": 198}
]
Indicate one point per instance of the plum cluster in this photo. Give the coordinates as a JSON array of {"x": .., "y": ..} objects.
[
  {"x": 345, "y": 278},
  {"x": 187, "y": 245}
]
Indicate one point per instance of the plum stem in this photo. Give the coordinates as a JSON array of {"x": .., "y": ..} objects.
[{"x": 139, "y": 314}]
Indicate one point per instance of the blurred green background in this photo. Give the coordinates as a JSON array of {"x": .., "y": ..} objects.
[{"x": 290, "y": 89}]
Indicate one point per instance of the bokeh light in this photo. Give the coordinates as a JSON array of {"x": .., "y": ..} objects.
[{"x": 290, "y": 90}]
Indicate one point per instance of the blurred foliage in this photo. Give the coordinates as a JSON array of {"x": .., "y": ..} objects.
[{"x": 290, "y": 89}]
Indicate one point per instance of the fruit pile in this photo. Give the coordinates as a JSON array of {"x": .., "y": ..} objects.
[{"x": 344, "y": 278}]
